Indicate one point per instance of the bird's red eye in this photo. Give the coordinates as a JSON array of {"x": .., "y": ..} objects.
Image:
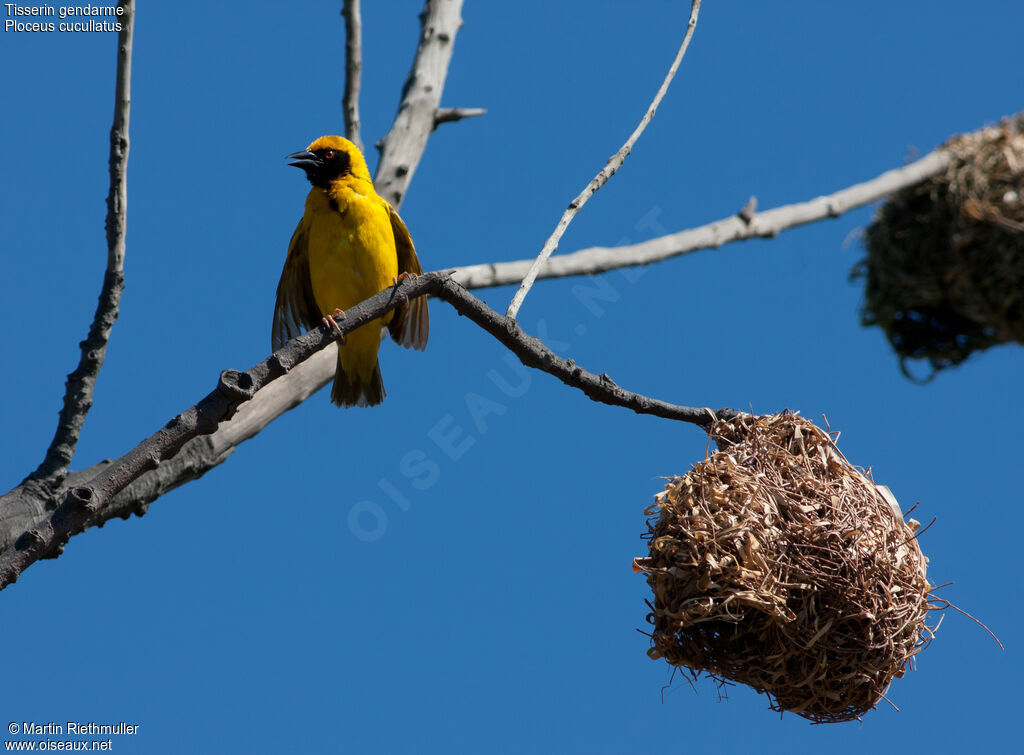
[{"x": 329, "y": 154}]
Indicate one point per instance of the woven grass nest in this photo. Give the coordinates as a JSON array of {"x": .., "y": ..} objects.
[
  {"x": 775, "y": 563},
  {"x": 945, "y": 258}
]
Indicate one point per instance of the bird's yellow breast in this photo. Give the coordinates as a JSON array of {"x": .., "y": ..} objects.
[{"x": 351, "y": 245}]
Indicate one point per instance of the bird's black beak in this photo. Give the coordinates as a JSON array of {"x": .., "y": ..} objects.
[{"x": 304, "y": 159}]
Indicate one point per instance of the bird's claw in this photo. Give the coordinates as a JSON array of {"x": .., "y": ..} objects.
[
  {"x": 401, "y": 277},
  {"x": 332, "y": 324}
]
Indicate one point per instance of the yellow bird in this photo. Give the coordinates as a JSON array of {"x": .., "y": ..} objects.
[{"x": 349, "y": 245}]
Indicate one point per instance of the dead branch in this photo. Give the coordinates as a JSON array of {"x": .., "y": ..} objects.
[
  {"x": 92, "y": 502},
  {"x": 739, "y": 227},
  {"x": 402, "y": 148},
  {"x": 610, "y": 168},
  {"x": 79, "y": 386},
  {"x": 353, "y": 69},
  {"x": 202, "y": 454},
  {"x": 453, "y": 114}
]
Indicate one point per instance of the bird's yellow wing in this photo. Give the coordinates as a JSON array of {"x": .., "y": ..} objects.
[
  {"x": 296, "y": 307},
  {"x": 409, "y": 327}
]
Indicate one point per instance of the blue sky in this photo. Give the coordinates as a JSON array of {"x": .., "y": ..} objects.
[{"x": 493, "y": 609}]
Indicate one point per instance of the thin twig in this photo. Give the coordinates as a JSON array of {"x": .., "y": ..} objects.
[
  {"x": 609, "y": 170},
  {"x": 91, "y": 502},
  {"x": 353, "y": 69},
  {"x": 533, "y": 353},
  {"x": 767, "y": 224},
  {"x": 79, "y": 387},
  {"x": 402, "y": 148},
  {"x": 453, "y": 114}
]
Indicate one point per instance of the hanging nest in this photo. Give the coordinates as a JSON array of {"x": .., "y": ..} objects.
[
  {"x": 945, "y": 258},
  {"x": 777, "y": 564}
]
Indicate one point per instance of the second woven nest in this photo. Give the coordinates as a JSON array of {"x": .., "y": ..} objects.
[{"x": 945, "y": 258}]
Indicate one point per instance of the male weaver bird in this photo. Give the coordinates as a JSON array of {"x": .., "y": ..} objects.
[{"x": 349, "y": 245}]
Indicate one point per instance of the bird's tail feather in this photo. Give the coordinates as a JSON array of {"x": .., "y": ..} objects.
[{"x": 351, "y": 390}]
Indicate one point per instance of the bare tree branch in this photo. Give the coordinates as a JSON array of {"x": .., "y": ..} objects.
[
  {"x": 89, "y": 502},
  {"x": 402, "y": 148},
  {"x": 24, "y": 507},
  {"x": 740, "y": 227},
  {"x": 295, "y": 387},
  {"x": 79, "y": 386},
  {"x": 533, "y": 353},
  {"x": 609, "y": 170},
  {"x": 602, "y": 259},
  {"x": 452, "y": 114},
  {"x": 353, "y": 69},
  {"x": 94, "y": 501}
]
